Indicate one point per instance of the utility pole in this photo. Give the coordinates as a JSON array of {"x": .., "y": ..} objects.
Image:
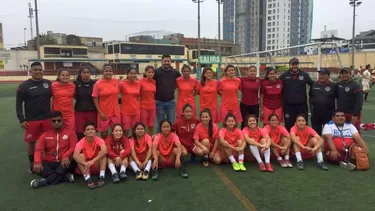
[
  {"x": 354, "y": 4},
  {"x": 199, "y": 37},
  {"x": 219, "y": 2},
  {"x": 37, "y": 29},
  {"x": 31, "y": 16}
]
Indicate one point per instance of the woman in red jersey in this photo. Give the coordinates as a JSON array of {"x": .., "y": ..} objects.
[
  {"x": 105, "y": 94},
  {"x": 207, "y": 89},
  {"x": 250, "y": 86},
  {"x": 63, "y": 92},
  {"x": 307, "y": 142},
  {"x": 186, "y": 91},
  {"x": 185, "y": 128},
  {"x": 232, "y": 143},
  {"x": 280, "y": 140},
  {"x": 118, "y": 152},
  {"x": 206, "y": 139},
  {"x": 271, "y": 96},
  {"x": 130, "y": 107},
  {"x": 228, "y": 89},
  {"x": 141, "y": 151},
  {"x": 147, "y": 99},
  {"x": 167, "y": 151},
  {"x": 259, "y": 143}
]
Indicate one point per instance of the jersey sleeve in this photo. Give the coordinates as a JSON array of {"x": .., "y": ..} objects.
[
  {"x": 283, "y": 131},
  {"x": 110, "y": 153},
  {"x": 293, "y": 130},
  {"x": 240, "y": 134},
  {"x": 126, "y": 144},
  {"x": 95, "y": 90},
  {"x": 72, "y": 143},
  {"x": 263, "y": 132},
  {"x": 309, "y": 81},
  {"x": 157, "y": 139},
  {"x": 312, "y": 132},
  {"x": 222, "y": 132},
  {"x": 245, "y": 131},
  {"x": 39, "y": 150},
  {"x": 353, "y": 129},
  {"x": 131, "y": 143},
  {"x": 327, "y": 130},
  {"x": 175, "y": 139},
  {"x": 196, "y": 132},
  {"x": 148, "y": 139},
  {"x": 20, "y": 98},
  {"x": 79, "y": 145}
]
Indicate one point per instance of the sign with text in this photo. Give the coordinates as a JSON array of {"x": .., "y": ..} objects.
[{"x": 209, "y": 59}]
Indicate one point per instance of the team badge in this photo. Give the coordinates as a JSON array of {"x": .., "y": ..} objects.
[
  {"x": 29, "y": 136},
  {"x": 328, "y": 88},
  {"x": 347, "y": 89},
  {"x": 287, "y": 116},
  {"x": 192, "y": 126},
  {"x": 257, "y": 80},
  {"x": 278, "y": 86},
  {"x": 45, "y": 85},
  {"x": 300, "y": 77},
  {"x": 65, "y": 137}
]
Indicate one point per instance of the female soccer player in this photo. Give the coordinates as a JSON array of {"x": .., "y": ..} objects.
[
  {"x": 118, "y": 152},
  {"x": 105, "y": 94},
  {"x": 84, "y": 107},
  {"x": 130, "y": 107},
  {"x": 141, "y": 151},
  {"x": 271, "y": 96},
  {"x": 206, "y": 139},
  {"x": 207, "y": 89},
  {"x": 186, "y": 91},
  {"x": 232, "y": 142},
  {"x": 167, "y": 151},
  {"x": 280, "y": 140},
  {"x": 63, "y": 92},
  {"x": 305, "y": 139},
  {"x": 258, "y": 141},
  {"x": 147, "y": 99},
  {"x": 185, "y": 128},
  {"x": 250, "y": 86},
  {"x": 228, "y": 89}
]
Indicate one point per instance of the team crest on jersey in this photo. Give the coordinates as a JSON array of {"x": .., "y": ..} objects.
[
  {"x": 278, "y": 86},
  {"x": 29, "y": 136},
  {"x": 192, "y": 126},
  {"x": 328, "y": 88},
  {"x": 45, "y": 85},
  {"x": 65, "y": 137},
  {"x": 300, "y": 77},
  {"x": 287, "y": 116},
  {"x": 347, "y": 89}
]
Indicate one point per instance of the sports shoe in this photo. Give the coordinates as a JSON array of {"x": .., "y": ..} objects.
[
  {"x": 300, "y": 165},
  {"x": 192, "y": 159},
  {"x": 236, "y": 166},
  {"x": 347, "y": 165},
  {"x": 90, "y": 184},
  {"x": 322, "y": 166},
  {"x": 70, "y": 178},
  {"x": 282, "y": 163},
  {"x": 123, "y": 175},
  {"x": 115, "y": 178},
  {"x": 288, "y": 164},
  {"x": 30, "y": 171},
  {"x": 205, "y": 161},
  {"x": 183, "y": 172},
  {"x": 37, "y": 183},
  {"x": 262, "y": 167},
  {"x": 138, "y": 175},
  {"x": 100, "y": 182},
  {"x": 155, "y": 174},
  {"x": 269, "y": 167},
  {"x": 242, "y": 166},
  {"x": 145, "y": 175}
]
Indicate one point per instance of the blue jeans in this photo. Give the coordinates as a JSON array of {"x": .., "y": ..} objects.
[{"x": 165, "y": 109}]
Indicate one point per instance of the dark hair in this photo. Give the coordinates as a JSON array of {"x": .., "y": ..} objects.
[
  {"x": 268, "y": 70},
  {"x": 35, "y": 64},
  {"x": 230, "y": 114},
  {"x": 251, "y": 116},
  {"x": 368, "y": 66},
  {"x": 130, "y": 69},
  {"x": 147, "y": 68},
  {"x": 81, "y": 69},
  {"x": 272, "y": 115},
  {"x": 165, "y": 56},
  {"x": 105, "y": 66},
  {"x": 253, "y": 66},
  {"x": 185, "y": 66},
  {"x": 337, "y": 111},
  {"x": 187, "y": 105},
  {"x": 162, "y": 122},
  {"x": 203, "y": 78},
  {"x": 59, "y": 73},
  {"x": 55, "y": 114},
  {"x": 301, "y": 115},
  {"x": 210, "y": 124},
  {"x": 134, "y": 136},
  {"x": 88, "y": 124},
  {"x": 226, "y": 69}
]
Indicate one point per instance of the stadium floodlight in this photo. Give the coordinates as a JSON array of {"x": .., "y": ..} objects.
[
  {"x": 354, "y": 4},
  {"x": 199, "y": 37}
]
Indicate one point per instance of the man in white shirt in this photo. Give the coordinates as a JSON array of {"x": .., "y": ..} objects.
[{"x": 366, "y": 78}]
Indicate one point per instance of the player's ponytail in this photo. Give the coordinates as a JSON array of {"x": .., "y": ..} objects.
[{"x": 210, "y": 124}]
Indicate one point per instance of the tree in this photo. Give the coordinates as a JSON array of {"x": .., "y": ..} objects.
[
  {"x": 72, "y": 39},
  {"x": 46, "y": 39}
]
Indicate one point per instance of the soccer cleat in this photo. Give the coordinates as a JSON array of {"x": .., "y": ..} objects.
[
  {"x": 70, "y": 178},
  {"x": 192, "y": 159},
  {"x": 322, "y": 166},
  {"x": 288, "y": 164},
  {"x": 269, "y": 167},
  {"x": 115, "y": 178},
  {"x": 183, "y": 172},
  {"x": 145, "y": 175},
  {"x": 30, "y": 171},
  {"x": 155, "y": 174},
  {"x": 100, "y": 182},
  {"x": 138, "y": 175},
  {"x": 90, "y": 184},
  {"x": 282, "y": 163},
  {"x": 262, "y": 167},
  {"x": 37, "y": 183},
  {"x": 347, "y": 165},
  {"x": 300, "y": 165},
  {"x": 205, "y": 162},
  {"x": 236, "y": 166},
  {"x": 123, "y": 175},
  {"x": 242, "y": 166}
]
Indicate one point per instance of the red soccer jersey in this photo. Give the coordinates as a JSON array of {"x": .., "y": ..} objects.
[
  {"x": 256, "y": 134},
  {"x": 141, "y": 146},
  {"x": 231, "y": 136},
  {"x": 208, "y": 94},
  {"x": 185, "y": 89},
  {"x": 165, "y": 145},
  {"x": 201, "y": 133},
  {"x": 130, "y": 92},
  {"x": 229, "y": 93},
  {"x": 272, "y": 93},
  {"x": 185, "y": 130},
  {"x": 107, "y": 93},
  {"x": 90, "y": 150},
  {"x": 54, "y": 146},
  {"x": 148, "y": 90},
  {"x": 250, "y": 90},
  {"x": 115, "y": 147},
  {"x": 304, "y": 134},
  {"x": 277, "y": 133},
  {"x": 62, "y": 98}
]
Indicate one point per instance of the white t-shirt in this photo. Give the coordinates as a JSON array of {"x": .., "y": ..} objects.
[
  {"x": 366, "y": 77},
  {"x": 348, "y": 130}
]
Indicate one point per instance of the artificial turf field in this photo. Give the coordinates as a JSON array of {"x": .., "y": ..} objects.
[{"x": 213, "y": 188}]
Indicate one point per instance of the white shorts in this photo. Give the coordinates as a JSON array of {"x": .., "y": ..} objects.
[{"x": 365, "y": 87}]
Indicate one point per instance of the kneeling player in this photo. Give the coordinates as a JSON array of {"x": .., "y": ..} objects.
[
  {"x": 232, "y": 142},
  {"x": 167, "y": 150},
  {"x": 90, "y": 155},
  {"x": 305, "y": 139},
  {"x": 118, "y": 148},
  {"x": 53, "y": 157}
]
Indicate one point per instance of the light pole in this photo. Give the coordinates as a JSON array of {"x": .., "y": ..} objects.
[
  {"x": 199, "y": 37},
  {"x": 354, "y": 4},
  {"x": 24, "y": 36},
  {"x": 37, "y": 29},
  {"x": 219, "y": 2}
]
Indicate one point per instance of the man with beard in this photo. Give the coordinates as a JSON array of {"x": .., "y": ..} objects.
[
  {"x": 294, "y": 93},
  {"x": 165, "y": 77}
]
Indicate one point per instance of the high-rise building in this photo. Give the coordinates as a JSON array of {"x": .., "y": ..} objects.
[{"x": 228, "y": 20}]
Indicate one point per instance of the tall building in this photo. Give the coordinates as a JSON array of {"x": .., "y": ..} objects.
[{"x": 229, "y": 12}]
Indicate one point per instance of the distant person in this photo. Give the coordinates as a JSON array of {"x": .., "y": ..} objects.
[
  {"x": 366, "y": 79},
  {"x": 147, "y": 99},
  {"x": 207, "y": 91},
  {"x": 294, "y": 93},
  {"x": 53, "y": 157},
  {"x": 186, "y": 87},
  {"x": 165, "y": 77},
  {"x": 33, "y": 103}
]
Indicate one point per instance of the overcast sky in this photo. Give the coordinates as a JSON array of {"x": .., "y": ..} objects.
[{"x": 116, "y": 19}]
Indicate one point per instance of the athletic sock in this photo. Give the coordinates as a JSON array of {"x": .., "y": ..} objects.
[
  {"x": 112, "y": 168},
  {"x": 31, "y": 158},
  {"x": 148, "y": 166},
  {"x": 319, "y": 157},
  {"x": 279, "y": 158},
  {"x": 123, "y": 168},
  {"x": 267, "y": 155},
  {"x": 134, "y": 166},
  {"x": 299, "y": 157},
  {"x": 241, "y": 158},
  {"x": 286, "y": 157},
  {"x": 87, "y": 176},
  {"x": 102, "y": 174},
  {"x": 231, "y": 158},
  {"x": 254, "y": 150}
]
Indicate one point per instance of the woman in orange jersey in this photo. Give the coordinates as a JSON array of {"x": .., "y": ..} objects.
[
  {"x": 206, "y": 139},
  {"x": 141, "y": 151},
  {"x": 228, "y": 89},
  {"x": 186, "y": 91},
  {"x": 232, "y": 142},
  {"x": 280, "y": 140},
  {"x": 63, "y": 92},
  {"x": 130, "y": 108},
  {"x": 258, "y": 141},
  {"x": 306, "y": 141},
  {"x": 167, "y": 151},
  {"x": 105, "y": 94},
  {"x": 147, "y": 99},
  {"x": 207, "y": 90}
]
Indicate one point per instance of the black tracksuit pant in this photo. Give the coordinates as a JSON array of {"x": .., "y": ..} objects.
[
  {"x": 320, "y": 118},
  {"x": 54, "y": 173},
  {"x": 291, "y": 111}
]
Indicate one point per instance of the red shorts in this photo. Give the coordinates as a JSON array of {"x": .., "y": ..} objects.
[
  {"x": 167, "y": 162},
  {"x": 82, "y": 117},
  {"x": 348, "y": 118},
  {"x": 128, "y": 121},
  {"x": 236, "y": 112},
  {"x": 179, "y": 110},
  {"x": 214, "y": 115},
  {"x": 142, "y": 157},
  {"x": 109, "y": 122},
  {"x": 35, "y": 129},
  {"x": 305, "y": 154},
  {"x": 148, "y": 117},
  {"x": 70, "y": 123},
  {"x": 267, "y": 112},
  {"x": 94, "y": 170}
]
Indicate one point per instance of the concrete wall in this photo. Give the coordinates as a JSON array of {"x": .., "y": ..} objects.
[
  {"x": 98, "y": 64},
  {"x": 16, "y": 58}
]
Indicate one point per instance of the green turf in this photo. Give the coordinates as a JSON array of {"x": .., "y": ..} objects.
[{"x": 285, "y": 189}]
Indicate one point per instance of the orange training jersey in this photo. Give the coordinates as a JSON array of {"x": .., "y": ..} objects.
[
  {"x": 186, "y": 89},
  {"x": 62, "y": 98},
  {"x": 130, "y": 92},
  {"x": 148, "y": 90},
  {"x": 229, "y": 95},
  {"x": 165, "y": 145},
  {"x": 304, "y": 135},
  {"x": 201, "y": 133},
  {"x": 257, "y": 134},
  {"x": 277, "y": 133},
  {"x": 231, "y": 136},
  {"x": 208, "y": 94},
  {"x": 90, "y": 150},
  {"x": 107, "y": 93}
]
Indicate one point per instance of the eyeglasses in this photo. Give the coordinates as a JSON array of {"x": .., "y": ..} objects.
[{"x": 56, "y": 120}]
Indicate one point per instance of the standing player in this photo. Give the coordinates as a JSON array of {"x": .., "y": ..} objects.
[
  {"x": 63, "y": 92},
  {"x": 366, "y": 78},
  {"x": 186, "y": 91},
  {"x": 207, "y": 90},
  {"x": 147, "y": 99},
  {"x": 322, "y": 101},
  {"x": 105, "y": 94},
  {"x": 294, "y": 93},
  {"x": 34, "y": 95}
]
